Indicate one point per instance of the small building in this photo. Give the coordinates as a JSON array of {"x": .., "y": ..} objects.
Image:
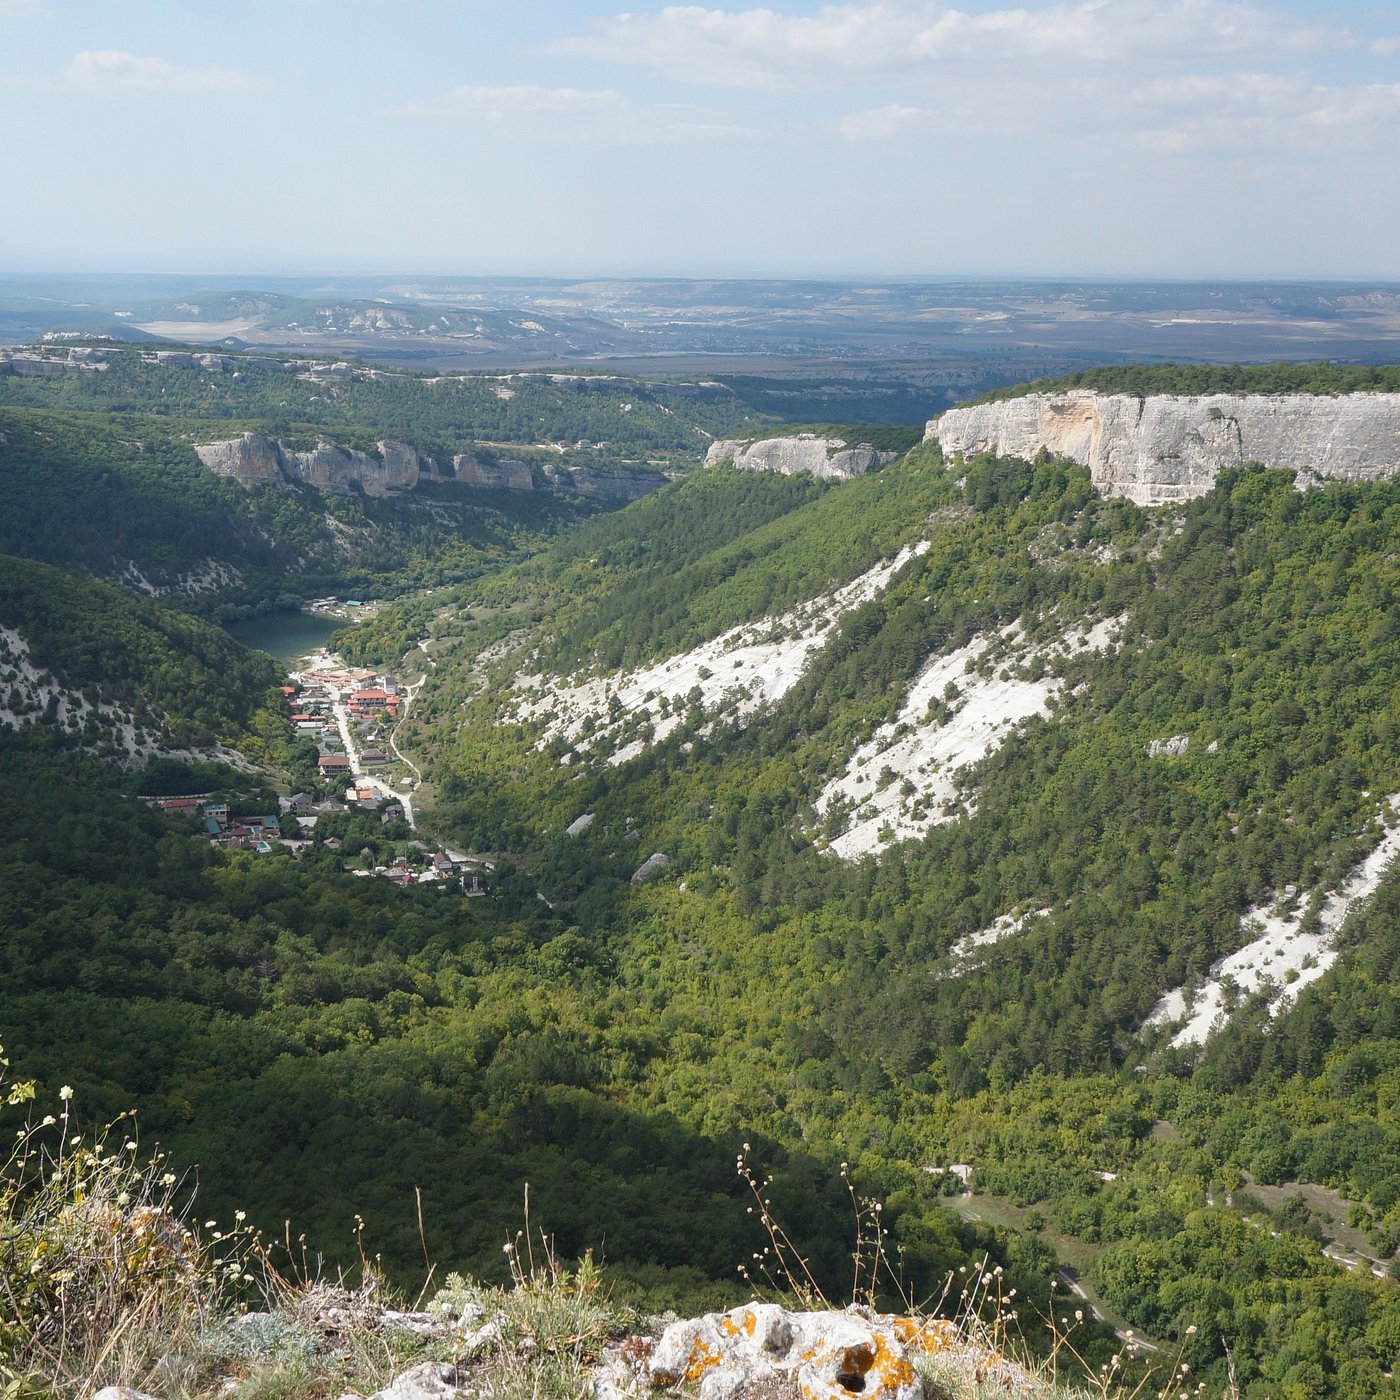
[
  {"x": 392, "y": 813},
  {"x": 373, "y": 758},
  {"x": 370, "y": 698},
  {"x": 333, "y": 763}
]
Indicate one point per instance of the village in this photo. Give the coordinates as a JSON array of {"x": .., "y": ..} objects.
[{"x": 348, "y": 714}]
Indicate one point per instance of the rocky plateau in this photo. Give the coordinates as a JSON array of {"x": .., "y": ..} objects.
[{"x": 1171, "y": 447}]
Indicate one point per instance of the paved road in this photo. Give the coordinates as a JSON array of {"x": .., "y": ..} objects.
[{"x": 363, "y": 779}]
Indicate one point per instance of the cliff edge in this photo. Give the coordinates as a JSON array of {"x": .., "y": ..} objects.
[
  {"x": 1171, "y": 447},
  {"x": 804, "y": 452},
  {"x": 252, "y": 460}
]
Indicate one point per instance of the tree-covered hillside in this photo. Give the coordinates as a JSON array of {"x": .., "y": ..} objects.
[
  {"x": 1257, "y": 624},
  {"x": 91, "y": 667},
  {"x": 1145, "y": 735},
  {"x": 1283, "y": 377},
  {"x": 636, "y": 418},
  {"x": 124, "y": 497}
]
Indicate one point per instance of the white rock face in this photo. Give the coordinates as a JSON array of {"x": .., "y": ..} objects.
[
  {"x": 433, "y": 1380},
  {"x": 651, "y": 867},
  {"x": 252, "y": 460},
  {"x": 734, "y": 675},
  {"x": 1169, "y": 447},
  {"x": 805, "y": 452},
  {"x": 1279, "y": 950},
  {"x": 1174, "y": 747},
  {"x": 499, "y": 476},
  {"x": 762, "y": 1349},
  {"x": 904, "y": 780}
]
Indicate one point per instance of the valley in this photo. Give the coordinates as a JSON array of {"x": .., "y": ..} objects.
[{"x": 968, "y": 810}]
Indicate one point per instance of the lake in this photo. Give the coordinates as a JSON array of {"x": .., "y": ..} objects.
[{"x": 286, "y": 635}]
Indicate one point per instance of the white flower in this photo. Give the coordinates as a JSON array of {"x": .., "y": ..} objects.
[
  {"x": 168, "y": 1179},
  {"x": 240, "y": 1216},
  {"x": 66, "y": 1092},
  {"x": 50, "y": 1121},
  {"x": 124, "y": 1199}
]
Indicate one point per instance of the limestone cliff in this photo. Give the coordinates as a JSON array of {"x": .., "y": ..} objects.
[
  {"x": 805, "y": 452},
  {"x": 1168, "y": 447},
  {"x": 603, "y": 484},
  {"x": 499, "y": 476},
  {"x": 252, "y": 460}
]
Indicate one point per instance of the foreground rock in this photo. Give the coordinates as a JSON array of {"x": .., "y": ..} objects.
[
  {"x": 1171, "y": 447},
  {"x": 761, "y": 1351},
  {"x": 804, "y": 452}
]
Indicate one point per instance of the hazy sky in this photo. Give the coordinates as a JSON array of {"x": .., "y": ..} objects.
[{"x": 1113, "y": 137}]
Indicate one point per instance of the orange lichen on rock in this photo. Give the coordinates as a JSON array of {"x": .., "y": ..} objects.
[
  {"x": 702, "y": 1358},
  {"x": 925, "y": 1333}
]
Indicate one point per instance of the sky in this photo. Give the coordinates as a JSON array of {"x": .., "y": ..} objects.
[{"x": 873, "y": 138}]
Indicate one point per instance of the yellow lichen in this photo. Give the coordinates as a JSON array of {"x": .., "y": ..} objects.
[{"x": 702, "y": 1358}]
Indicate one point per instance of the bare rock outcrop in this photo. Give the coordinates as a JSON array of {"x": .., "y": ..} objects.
[
  {"x": 249, "y": 460},
  {"x": 1174, "y": 747},
  {"x": 601, "y": 484},
  {"x": 1170, "y": 447},
  {"x": 47, "y": 363},
  {"x": 762, "y": 1349},
  {"x": 252, "y": 460},
  {"x": 488, "y": 475},
  {"x": 804, "y": 452}
]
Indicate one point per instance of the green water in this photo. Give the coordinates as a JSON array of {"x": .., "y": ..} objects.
[{"x": 285, "y": 635}]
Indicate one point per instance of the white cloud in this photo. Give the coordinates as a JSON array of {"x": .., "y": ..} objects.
[
  {"x": 1386, "y": 47},
  {"x": 504, "y": 104},
  {"x": 712, "y": 131},
  {"x": 1263, "y": 112},
  {"x": 884, "y": 123},
  {"x": 764, "y": 46},
  {"x": 114, "y": 71}
]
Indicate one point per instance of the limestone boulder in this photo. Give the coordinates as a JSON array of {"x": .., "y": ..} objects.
[
  {"x": 433, "y": 1380},
  {"x": 762, "y": 1351}
]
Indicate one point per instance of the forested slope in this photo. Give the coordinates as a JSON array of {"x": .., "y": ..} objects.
[
  {"x": 91, "y": 667},
  {"x": 1086, "y": 744},
  {"x": 1076, "y": 874},
  {"x": 124, "y": 497}
]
